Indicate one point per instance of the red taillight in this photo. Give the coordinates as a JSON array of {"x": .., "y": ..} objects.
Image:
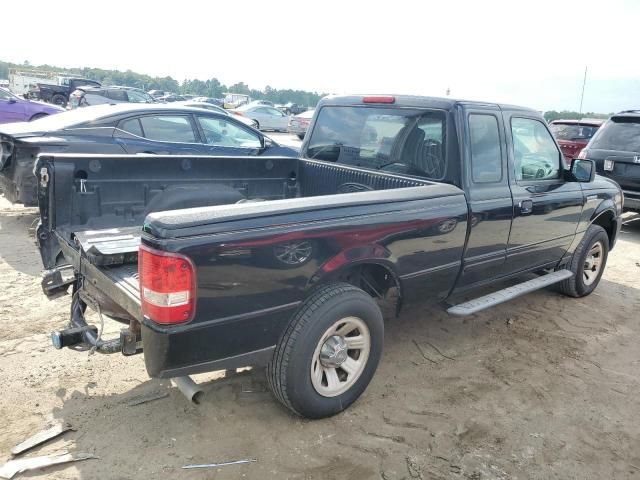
[
  {"x": 238, "y": 113},
  {"x": 167, "y": 286},
  {"x": 379, "y": 99}
]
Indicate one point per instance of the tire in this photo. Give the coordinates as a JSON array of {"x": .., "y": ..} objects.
[
  {"x": 593, "y": 246},
  {"x": 257, "y": 127},
  {"x": 59, "y": 100},
  {"x": 301, "y": 136},
  {"x": 37, "y": 116},
  {"x": 331, "y": 309}
]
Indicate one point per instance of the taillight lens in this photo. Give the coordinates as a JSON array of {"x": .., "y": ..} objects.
[{"x": 167, "y": 286}]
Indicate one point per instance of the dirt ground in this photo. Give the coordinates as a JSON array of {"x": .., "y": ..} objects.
[{"x": 542, "y": 387}]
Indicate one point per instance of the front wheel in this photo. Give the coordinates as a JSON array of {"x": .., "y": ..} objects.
[
  {"x": 329, "y": 352},
  {"x": 588, "y": 263}
]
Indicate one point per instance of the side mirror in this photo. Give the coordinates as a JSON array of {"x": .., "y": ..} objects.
[
  {"x": 582, "y": 170},
  {"x": 266, "y": 143}
]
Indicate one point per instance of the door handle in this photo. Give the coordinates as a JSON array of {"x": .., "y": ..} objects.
[{"x": 526, "y": 207}]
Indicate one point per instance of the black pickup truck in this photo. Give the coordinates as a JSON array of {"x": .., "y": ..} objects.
[
  {"x": 59, "y": 94},
  {"x": 292, "y": 263}
]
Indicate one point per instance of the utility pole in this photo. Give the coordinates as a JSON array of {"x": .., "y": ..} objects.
[{"x": 584, "y": 82}]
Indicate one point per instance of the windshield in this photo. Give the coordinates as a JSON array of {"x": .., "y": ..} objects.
[
  {"x": 6, "y": 94},
  {"x": 566, "y": 131},
  {"x": 395, "y": 139},
  {"x": 621, "y": 134}
]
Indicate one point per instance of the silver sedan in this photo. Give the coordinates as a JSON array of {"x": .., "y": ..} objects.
[
  {"x": 216, "y": 108},
  {"x": 268, "y": 118}
]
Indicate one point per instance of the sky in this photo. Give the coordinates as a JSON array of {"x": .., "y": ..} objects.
[{"x": 531, "y": 53}]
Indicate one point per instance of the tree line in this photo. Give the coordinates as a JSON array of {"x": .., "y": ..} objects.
[
  {"x": 214, "y": 89},
  {"x": 552, "y": 115},
  {"x": 205, "y": 88}
]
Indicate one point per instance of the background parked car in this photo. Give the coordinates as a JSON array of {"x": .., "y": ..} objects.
[
  {"x": 616, "y": 150},
  {"x": 87, "y": 96},
  {"x": 262, "y": 102},
  {"x": 268, "y": 118},
  {"x": 573, "y": 135},
  {"x": 215, "y": 108},
  {"x": 293, "y": 108},
  {"x": 123, "y": 128},
  {"x": 157, "y": 93},
  {"x": 171, "y": 97},
  {"x": 298, "y": 124},
  {"x": 213, "y": 101},
  {"x": 59, "y": 94},
  {"x": 17, "y": 109},
  {"x": 234, "y": 100}
]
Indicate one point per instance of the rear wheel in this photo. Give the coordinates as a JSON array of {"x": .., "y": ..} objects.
[
  {"x": 59, "y": 100},
  {"x": 328, "y": 353},
  {"x": 301, "y": 136},
  {"x": 588, "y": 263}
]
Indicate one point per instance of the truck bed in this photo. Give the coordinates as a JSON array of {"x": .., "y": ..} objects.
[{"x": 101, "y": 201}]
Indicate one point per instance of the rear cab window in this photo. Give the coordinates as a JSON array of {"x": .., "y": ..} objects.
[
  {"x": 402, "y": 140},
  {"x": 486, "y": 153}
]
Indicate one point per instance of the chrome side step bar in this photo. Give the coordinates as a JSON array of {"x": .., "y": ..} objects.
[{"x": 504, "y": 295}]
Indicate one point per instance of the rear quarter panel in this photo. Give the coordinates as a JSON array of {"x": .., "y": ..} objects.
[{"x": 246, "y": 295}]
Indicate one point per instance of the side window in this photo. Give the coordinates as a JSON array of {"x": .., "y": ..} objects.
[
  {"x": 535, "y": 153},
  {"x": 224, "y": 133},
  {"x": 116, "y": 95},
  {"x": 136, "y": 97},
  {"x": 274, "y": 112},
  {"x": 168, "y": 128},
  {"x": 132, "y": 125},
  {"x": 486, "y": 158},
  {"x": 4, "y": 95}
]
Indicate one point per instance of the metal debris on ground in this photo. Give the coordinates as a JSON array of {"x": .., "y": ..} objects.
[
  {"x": 147, "y": 398},
  {"x": 40, "y": 438},
  {"x": 12, "y": 467},
  {"x": 222, "y": 464}
]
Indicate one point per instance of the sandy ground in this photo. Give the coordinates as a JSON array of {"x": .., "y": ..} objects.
[{"x": 542, "y": 387}]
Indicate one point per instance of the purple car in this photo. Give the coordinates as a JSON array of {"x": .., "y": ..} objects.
[{"x": 16, "y": 109}]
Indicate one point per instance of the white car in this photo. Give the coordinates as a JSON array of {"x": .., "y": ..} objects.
[{"x": 268, "y": 118}]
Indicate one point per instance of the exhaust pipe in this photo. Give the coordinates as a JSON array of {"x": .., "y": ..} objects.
[{"x": 189, "y": 388}]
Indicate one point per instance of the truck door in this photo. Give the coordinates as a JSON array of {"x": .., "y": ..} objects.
[
  {"x": 547, "y": 209},
  {"x": 488, "y": 194}
]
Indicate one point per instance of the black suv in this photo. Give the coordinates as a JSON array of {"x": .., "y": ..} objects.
[
  {"x": 616, "y": 150},
  {"x": 86, "y": 96}
]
